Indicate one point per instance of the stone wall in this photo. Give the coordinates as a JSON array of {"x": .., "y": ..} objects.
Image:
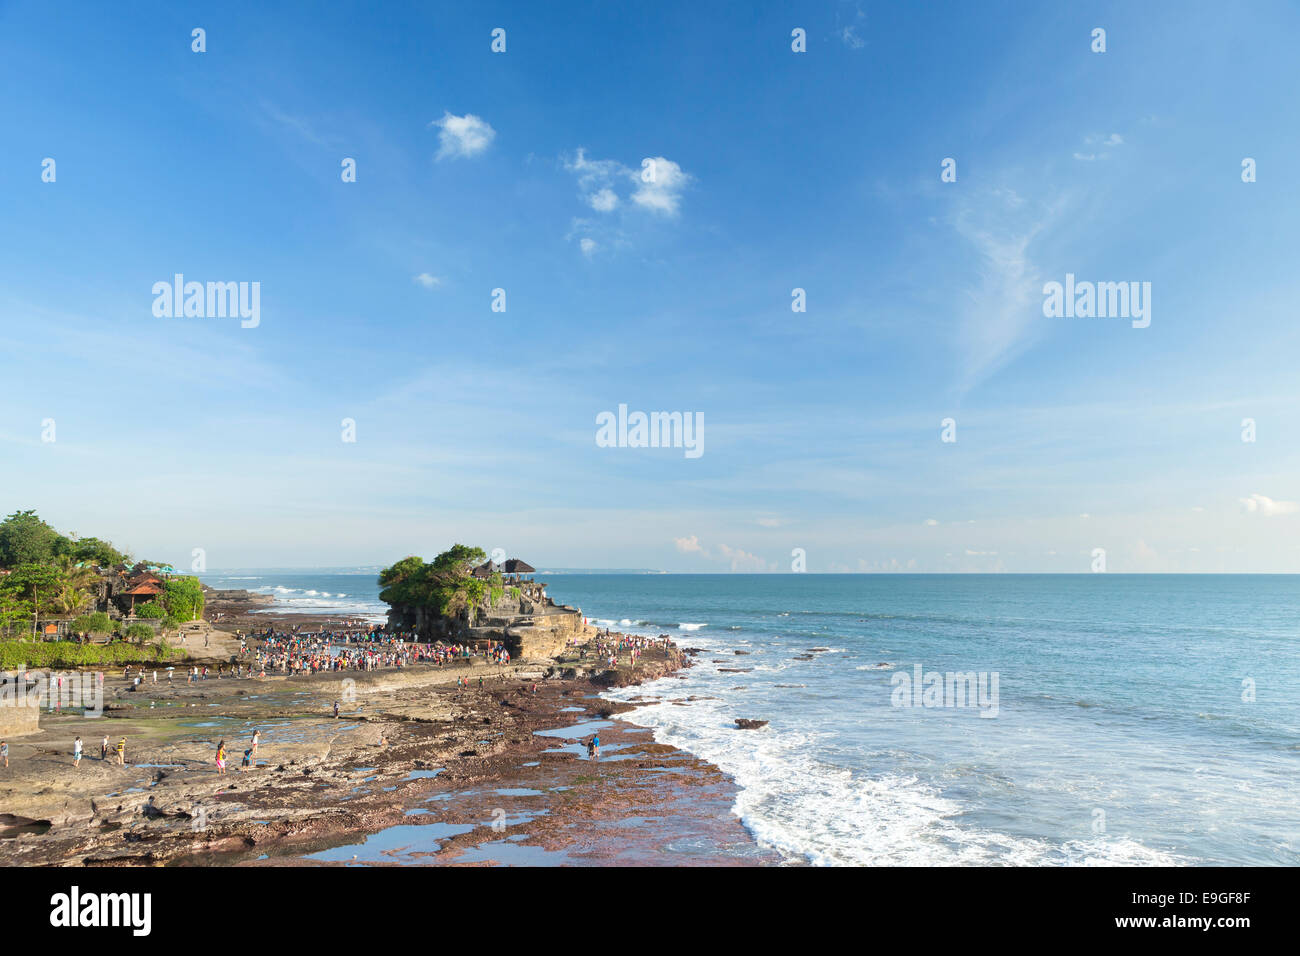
[
  {"x": 18, "y": 719},
  {"x": 546, "y": 635}
]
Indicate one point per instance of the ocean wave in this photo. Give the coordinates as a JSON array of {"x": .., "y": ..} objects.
[
  {"x": 798, "y": 804},
  {"x": 691, "y": 626}
]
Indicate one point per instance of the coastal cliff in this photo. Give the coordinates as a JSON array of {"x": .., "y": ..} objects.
[
  {"x": 531, "y": 628},
  {"x": 452, "y": 599}
]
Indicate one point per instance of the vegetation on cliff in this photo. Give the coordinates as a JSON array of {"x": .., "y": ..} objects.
[{"x": 445, "y": 586}]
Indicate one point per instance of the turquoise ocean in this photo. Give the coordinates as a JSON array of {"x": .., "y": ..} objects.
[{"x": 1124, "y": 719}]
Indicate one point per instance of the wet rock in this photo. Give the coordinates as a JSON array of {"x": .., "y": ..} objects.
[{"x": 744, "y": 723}]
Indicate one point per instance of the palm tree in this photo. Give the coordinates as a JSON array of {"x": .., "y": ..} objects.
[{"x": 74, "y": 591}]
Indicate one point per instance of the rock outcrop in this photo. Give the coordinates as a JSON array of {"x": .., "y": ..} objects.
[{"x": 519, "y": 615}]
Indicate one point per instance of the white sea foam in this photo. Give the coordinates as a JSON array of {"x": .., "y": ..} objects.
[
  {"x": 791, "y": 800},
  {"x": 690, "y": 626}
]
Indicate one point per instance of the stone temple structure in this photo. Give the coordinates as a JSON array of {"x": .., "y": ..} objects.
[{"x": 530, "y": 624}]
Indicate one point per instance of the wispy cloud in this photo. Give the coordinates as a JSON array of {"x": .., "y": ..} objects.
[
  {"x": 744, "y": 560},
  {"x": 737, "y": 559},
  {"x": 689, "y": 545},
  {"x": 1268, "y": 507},
  {"x": 603, "y": 200},
  {"x": 1095, "y": 140},
  {"x": 427, "y": 280},
  {"x": 1001, "y": 306},
  {"x": 294, "y": 123}
]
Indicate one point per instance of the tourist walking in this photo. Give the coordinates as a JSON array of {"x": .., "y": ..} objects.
[
  {"x": 121, "y": 752},
  {"x": 103, "y": 748},
  {"x": 4, "y": 752},
  {"x": 76, "y": 752},
  {"x": 221, "y": 757}
]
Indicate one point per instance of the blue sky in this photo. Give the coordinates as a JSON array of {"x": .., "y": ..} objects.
[{"x": 779, "y": 170}]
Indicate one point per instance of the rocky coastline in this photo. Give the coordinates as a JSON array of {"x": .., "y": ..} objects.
[{"x": 465, "y": 764}]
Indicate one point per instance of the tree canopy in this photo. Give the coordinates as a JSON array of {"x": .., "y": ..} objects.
[
  {"x": 444, "y": 584},
  {"x": 26, "y": 539},
  {"x": 96, "y": 623},
  {"x": 53, "y": 574},
  {"x": 183, "y": 598}
]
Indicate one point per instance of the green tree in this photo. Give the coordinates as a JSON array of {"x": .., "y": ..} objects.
[
  {"x": 444, "y": 585},
  {"x": 102, "y": 553},
  {"x": 139, "y": 633},
  {"x": 96, "y": 623},
  {"x": 76, "y": 589},
  {"x": 406, "y": 582},
  {"x": 150, "y": 609},
  {"x": 183, "y": 599},
  {"x": 37, "y": 583},
  {"x": 26, "y": 539},
  {"x": 15, "y": 612}
]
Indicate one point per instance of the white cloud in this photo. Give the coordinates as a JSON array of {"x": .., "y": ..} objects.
[
  {"x": 1260, "y": 505},
  {"x": 739, "y": 560},
  {"x": 1113, "y": 140},
  {"x": 609, "y": 187},
  {"x": 593, "y": 170},
  {"x": 930, "y": 522},
  {"x": 742, "y": 560},
  {"x": 659, "y": 185},
  {"x": 689, "y": 545},
  {"x": 850, "y": 38},
  {"x": 462, "y": 136},
  {"x": 1001, "y": 309},
  {"x": 427, "y": 280},
  {"x": 299, "y": 125},
  {"x": 603, "y": 200},
  {"x": 770, "y": 522}
]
